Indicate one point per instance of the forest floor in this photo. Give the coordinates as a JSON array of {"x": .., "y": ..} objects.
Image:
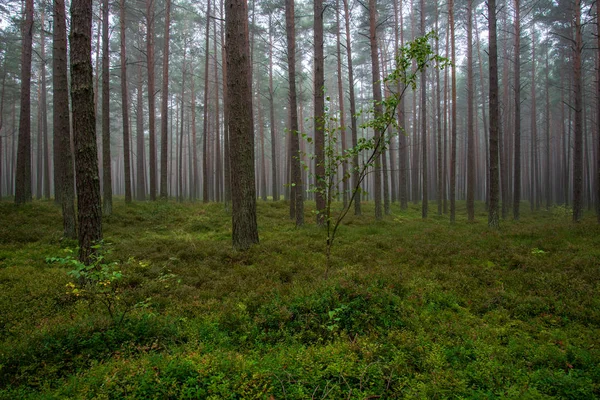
[{"x": 410, "y": 308}]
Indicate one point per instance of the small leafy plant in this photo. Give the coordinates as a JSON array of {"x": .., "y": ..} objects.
[{"x": 100, "y": 282}]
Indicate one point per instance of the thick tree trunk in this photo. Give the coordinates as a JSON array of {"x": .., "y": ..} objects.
[
  {"x": 61, "y": 124},
  {"x": 239, "y": 90},
  {"x": 89, "y": 210},
  {"x": 23, "y": 172},
  {"x": 494, "y": 199},
  {"x": 164, "y": 134},
  {"x": 597, "y": 118},
  {"x": 125, "y": 105},
  {"x": 353, "y": 122}
]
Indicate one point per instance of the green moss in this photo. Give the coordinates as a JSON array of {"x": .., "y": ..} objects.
[{"x": 411, "y": 308}]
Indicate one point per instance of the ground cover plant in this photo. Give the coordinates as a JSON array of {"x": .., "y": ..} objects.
[{"x": 411, "y": 308}]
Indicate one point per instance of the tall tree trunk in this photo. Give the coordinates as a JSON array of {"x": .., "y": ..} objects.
[
  {"x": 470, "y": 118},
  {"x": 106, "y": 158},
  {"x": 578, "y": 106},
  {"x": 151, "y": 96},
  {"x": 533, "y": 193},
  {"x": 2, "y": 157},
  {"x": 181, "y": 132},
  {"x": 226, "y": 147},
  {"x": 218, "y": 169},
  {"x": 23, "y": 173},
  {"x": 548, "y": 122},
  {"x": 89, "y": 210},
  {"x": 44, "y": 110},
  {"x": 60, "y": 123},
  {"x": 517, "y": 127},
  {"x": 597, "y": 117},
  {"x": 494, "y": 199},
  {"x": 453, "y": 129},
  {"x": 353, "y": 122},
  {"x": 140, "y": 142},
  {"x": 423, "y": 114},
  {"x": 239, "y": 90},
  {"x": 439, "y": 175},
  {"x": 379, "y": 142},
  {"x": 274, "y": 158},
  {"x": 125, "y": 104},
  {"x": 194, "y": 148},
  {"x": 205, "y": 183},
  {"x": 319, "y": 110},
  {"x": 164, "y": 126},
  {"x": 297, "y": 203},
  {"x": 261, "y": 130},
  {"x": 345, "y": 179},
  {"x": 402, "y": 142}
]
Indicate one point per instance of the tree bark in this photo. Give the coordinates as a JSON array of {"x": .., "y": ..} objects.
[
  {"x": 319, "y": 110},
  {"x": 151, "y": 95},
  {"x": 578, "y": 108},
  {"x": 378, "y": 109},
  {"x": 470, "y": 129},
  {"x": 241, "y": 127},
  {"x": 346, "y": 177},
  {"x": 353, "y": 122},
  {"x": 423, "y": 115},
  {"x": 106, "y": 158},
  {"x": 494, "y": 199},
  {"x": 125, "y": 105},
  {"x": 164, "y": 132},
  {"x": 517, "y": 127},
  {"x": 23, "y": 172},
  {"x": 205, "y": 183},
  {"x": 89, "y": 210},
  {"x": 274, "y": 158}
]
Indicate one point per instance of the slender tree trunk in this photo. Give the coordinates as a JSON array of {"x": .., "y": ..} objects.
[
  {"x": 183, "y": 76},
  {"x": 517, "y": 84},
  {"x": 218, "y": 169},
  {"x": 164, "y": 126},
  {"x": 140, "y": 142},
  {"x": 470, "y": 118},
  {"x": 345, "y": 180},
  {"x": 353, "y": 122},
  {"x": 261, "y": 132},
  {"x": 597, "y": 117},
  {"x": 89, "y": 210},
  {"x": 239, "y": 89},
  {"x": 44, "y": 109},
  {"x": 2, "y": 157},
  {"x": 194, "y": 147},
  {"x": 453, "y": 131},
  {"x": 297, "y": 203},
  {"x": 378, "y": 110},
  {"x": 205, "y": 183},
  {"x": 274, "y": 158},
  {"x": 423, "y": 114},
  {"x": 106, "y": 158},
  {"x": 23, "y": 173},
  {"x": 226, "y": 158},
  {"x": 151, "y": 96},
  {"x": 125, "y": 105},
  {"x": 319, "y": 110},
  {"x": 402, "y": 142},
  {"x": 494, "y": 199},
  {"x": 534, "y": 195},
  {"x": 578, "y": 106}
]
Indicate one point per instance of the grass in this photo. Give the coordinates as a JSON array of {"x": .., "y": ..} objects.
[{"x": 411, "y": 308}]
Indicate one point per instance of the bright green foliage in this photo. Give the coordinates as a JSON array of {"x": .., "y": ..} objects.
[
  {"x": 411, "y": 309},
  {"x": 419, "y": 53}
]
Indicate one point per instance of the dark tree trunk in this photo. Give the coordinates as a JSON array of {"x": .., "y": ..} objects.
[
  {"x": 226, "y": 147},
  {"x": 218, "y": 169},
  {"x": 402, "y": 142},
  {"x": 44, "y": 110},
  {"x": 239, "y": 93},
  {"x": 106, "y": 159},
  {"x": 125, "y": 105},
  {"x": 345, "y": 179},
  {"x": 319, "y": 111},
  {"x": 597, "y": 118},
  {"x": 453, "y": 122},
  {"x": 378, "y": 110},
  {"x": 423, "y": 115},
  {"x": 274, "y": 158},
  {"x": 164, "y": 133},
  {"x": 494, "y": 199},
  {"x": 151, "y": 95},
  {"x": 296, "y": 203},
  {"x": 89, "y": 210},
  {"x": 353, "y": 122},
  {"x": 470, "y": 118},
  {"x": 181, "y": 122},
  {"x": 517, "y": 127},
  {"x": 140, "y": 142},
  {"x": 578, "y": 108},
  {"x": 61, "y": 124},
  {"x": 23, "y": 172},
  {"x": 205, "y": 183}
]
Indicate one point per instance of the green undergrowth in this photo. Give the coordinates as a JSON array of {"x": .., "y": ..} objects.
[{"x": 410, "y": 308}]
